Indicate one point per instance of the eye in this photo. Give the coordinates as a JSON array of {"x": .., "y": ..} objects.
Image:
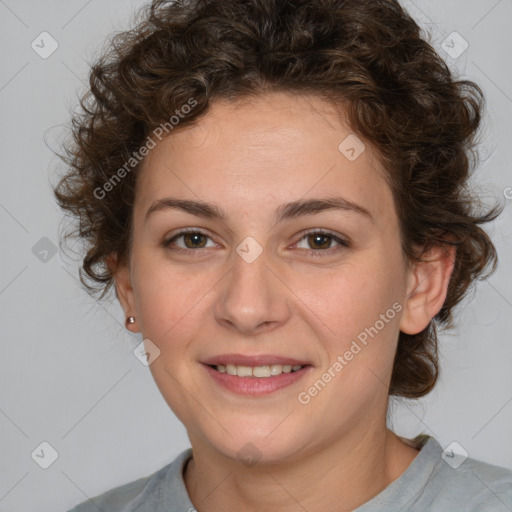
[
  {"x": 321, "y": 241},
  {"x": 192, "y": 238}
]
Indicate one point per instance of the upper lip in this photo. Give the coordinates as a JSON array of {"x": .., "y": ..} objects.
[{"x": 256, "y": 360}]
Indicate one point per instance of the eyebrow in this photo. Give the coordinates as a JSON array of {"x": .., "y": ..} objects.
[{"x": 285, "y": 211}]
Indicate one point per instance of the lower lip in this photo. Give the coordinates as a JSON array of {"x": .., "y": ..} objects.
[{"x": 256, "y": 386}]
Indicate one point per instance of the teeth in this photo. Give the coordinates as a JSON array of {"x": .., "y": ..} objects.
[
  {"x": 257, "y": 371},
  {"x": 260, "y": 371}
]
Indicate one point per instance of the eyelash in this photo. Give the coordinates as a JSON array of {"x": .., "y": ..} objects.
[{"x": 315, "y": 252}]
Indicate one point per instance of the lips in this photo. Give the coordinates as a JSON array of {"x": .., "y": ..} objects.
[
  {"x": 252, "y": 385},
  {"x": 255, "y": 375},
  {"x": 256, "y": 360}
]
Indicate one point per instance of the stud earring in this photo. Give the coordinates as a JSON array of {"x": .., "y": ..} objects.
[{"x": 130, "y": 320}]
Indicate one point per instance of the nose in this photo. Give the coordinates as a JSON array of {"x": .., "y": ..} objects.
[{"x": 253, "y": 299}]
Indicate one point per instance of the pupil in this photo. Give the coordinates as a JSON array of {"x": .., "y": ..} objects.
[
  {"x": 192, "y": 236},
  {"x": 320, "y": 237}
]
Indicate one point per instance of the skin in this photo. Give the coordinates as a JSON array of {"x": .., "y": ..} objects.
[{"x": 248, "y": 158}]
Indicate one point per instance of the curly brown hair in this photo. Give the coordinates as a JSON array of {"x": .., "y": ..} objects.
[{"x": 366, "y": 56}]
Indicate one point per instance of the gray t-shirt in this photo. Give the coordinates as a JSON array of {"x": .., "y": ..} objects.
[{"x": 428, "y": 484}]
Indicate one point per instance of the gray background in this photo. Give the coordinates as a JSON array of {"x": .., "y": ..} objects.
[{"x": 67, "y": 372}]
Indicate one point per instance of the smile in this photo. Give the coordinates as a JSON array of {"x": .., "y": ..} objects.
[
  {"x": 257, "y": 371},
  {"x": 256, "y": 380}
]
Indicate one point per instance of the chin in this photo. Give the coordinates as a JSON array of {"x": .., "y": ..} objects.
[{"x": 252, "y": 445}]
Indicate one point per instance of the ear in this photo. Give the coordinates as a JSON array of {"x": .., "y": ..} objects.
[
  {"x": 124, "y": 289},
  {"x": 427, "y": 288}
]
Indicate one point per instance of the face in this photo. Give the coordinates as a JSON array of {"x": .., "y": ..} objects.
[{"x": 288, "y": 285}]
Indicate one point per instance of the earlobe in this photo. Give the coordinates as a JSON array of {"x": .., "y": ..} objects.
[
  {"x": 124, "y": 290},
  {"x": 427, "y": 288}
]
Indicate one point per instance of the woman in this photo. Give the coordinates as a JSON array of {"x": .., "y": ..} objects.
[{"x": 276, "y": 192}]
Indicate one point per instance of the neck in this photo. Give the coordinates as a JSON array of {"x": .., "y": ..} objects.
[{"x": 344, "y": 475}]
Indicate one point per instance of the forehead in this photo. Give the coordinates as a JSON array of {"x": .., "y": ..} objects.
[{"x": 261, "y": 151}]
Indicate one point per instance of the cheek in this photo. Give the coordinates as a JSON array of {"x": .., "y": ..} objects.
[
  {"x": 360, "y": 306},
  {"x": 358, "y": 303},
  {"x": 350, "y": 296},
  {"x": 168, "y": 299}
]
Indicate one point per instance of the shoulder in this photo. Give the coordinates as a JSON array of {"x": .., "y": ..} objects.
[
  {"x": 439, "y": 479},
  {"x": 467, "y": 484},
  {"x": 478, "y": 485},
  {"x": 151, "y": 493}
]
